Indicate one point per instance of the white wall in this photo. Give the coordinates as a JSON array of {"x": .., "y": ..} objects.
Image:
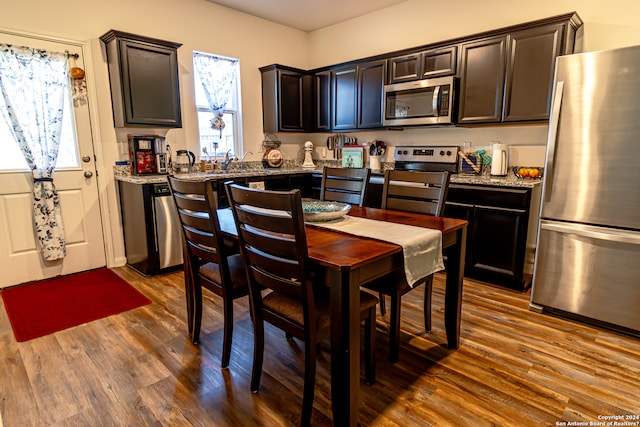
[
  {"x": 201, "y": 25},
  {"x": 608, "y": 25},
  {"x": 198, "y": 25}
]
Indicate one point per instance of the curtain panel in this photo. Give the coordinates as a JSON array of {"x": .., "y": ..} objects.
[
  {"x": 217, "y": 76},
  {"x": 33, "y": 84}
]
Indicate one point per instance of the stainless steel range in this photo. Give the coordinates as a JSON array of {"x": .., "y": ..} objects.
[{"x": 430, "y": 159}]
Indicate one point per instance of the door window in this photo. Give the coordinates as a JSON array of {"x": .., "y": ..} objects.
[{"x": 12, "y": 159}]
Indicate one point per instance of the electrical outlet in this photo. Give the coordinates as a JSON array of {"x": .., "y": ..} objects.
[
  {"x": 123, "y": 149},
  {"x": 258, "y": 185}
]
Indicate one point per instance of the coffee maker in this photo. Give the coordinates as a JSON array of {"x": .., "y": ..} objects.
[
  {"x": 162, "y": 158},
  {"x": 148, "y": 154}
]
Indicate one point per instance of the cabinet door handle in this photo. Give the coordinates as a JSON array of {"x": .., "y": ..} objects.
[
  {"x": 496, "y": 208},
  {"x": 463, "y": 205}
]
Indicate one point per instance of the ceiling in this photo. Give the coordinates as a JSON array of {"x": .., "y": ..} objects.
[{"x": 307, "y": 15}]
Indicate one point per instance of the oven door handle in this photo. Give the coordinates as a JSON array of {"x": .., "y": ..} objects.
[{"x": 376, "y": 180}]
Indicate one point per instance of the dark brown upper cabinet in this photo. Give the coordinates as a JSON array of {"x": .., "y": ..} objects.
[
  {"x": 371, "y": 77},
  {"x": 357, "y": 96},
  {"x": 439, "y": 62},
  {"x": 323, "y": 101},
  {"x": 344, "y": 95},
  {"x": 482, "y": 71},
  {"x": 423, "y": 65},
  {"x": 143, "y": 74},
  {"x": 530, "y": 68},
  {"x": 508, "y": 77},
  {"x": 286, "y": 99},
  {"x": 505, "y": 77},
  {"x": 405, "y": 68}
]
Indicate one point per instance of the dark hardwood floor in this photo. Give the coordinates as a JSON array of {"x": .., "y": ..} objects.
[{"x": 514, "y": 368}]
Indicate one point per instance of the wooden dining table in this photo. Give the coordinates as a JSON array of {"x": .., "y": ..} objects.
[{"x": 344, "y": 262}]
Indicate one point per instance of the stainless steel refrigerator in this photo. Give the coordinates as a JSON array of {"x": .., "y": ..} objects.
[{"x": 587, "y": 263}]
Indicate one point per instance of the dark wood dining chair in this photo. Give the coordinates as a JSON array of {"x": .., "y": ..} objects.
[
  {"x": 411, "y": 191},
  {"x": 346, "y": 185},
  {"x": 209, "y": 261},
  {"x": 273, "y": 241}
]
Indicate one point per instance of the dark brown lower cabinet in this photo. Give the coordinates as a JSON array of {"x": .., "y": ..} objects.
[{"x": 497, "y": 233}]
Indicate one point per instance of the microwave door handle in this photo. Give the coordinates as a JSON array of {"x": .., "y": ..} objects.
[{"x": 436, "y": 93}]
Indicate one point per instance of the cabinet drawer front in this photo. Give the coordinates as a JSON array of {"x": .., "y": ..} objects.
[{"x": 501, "y": 197}]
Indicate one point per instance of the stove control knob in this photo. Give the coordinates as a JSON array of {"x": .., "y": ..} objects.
[
  {"x": 442, "y": 152},
  {"x": 448, "y": 153},
  {"x": 405, "y": 152}
]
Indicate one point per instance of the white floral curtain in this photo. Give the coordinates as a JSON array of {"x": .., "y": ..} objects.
[
  {"x": 33, "y": 83},
  {"x": 217, "y": 75}
]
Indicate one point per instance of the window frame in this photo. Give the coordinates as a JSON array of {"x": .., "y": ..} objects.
[{"x": 236, "y": 112}]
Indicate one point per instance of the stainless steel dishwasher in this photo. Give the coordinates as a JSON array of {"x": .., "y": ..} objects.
[{"x": 152, "y": 235}]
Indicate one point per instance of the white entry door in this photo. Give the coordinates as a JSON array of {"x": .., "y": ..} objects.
[{"x": 75, "y": 181}]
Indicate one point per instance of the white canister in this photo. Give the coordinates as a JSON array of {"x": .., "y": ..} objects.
[
  {"x": 374, "y": 163},
  {"x": 499, "y": 159}
]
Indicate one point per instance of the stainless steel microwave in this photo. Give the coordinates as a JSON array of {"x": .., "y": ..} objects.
[{"x": 420, "y": 102}]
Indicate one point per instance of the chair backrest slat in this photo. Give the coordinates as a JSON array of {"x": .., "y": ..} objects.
[
  {"x": 415, "y": 191},
  {"x": 197, "y": 205},
  {"x": 273, "y": 240},
  {"x": 347, "y": 185}
]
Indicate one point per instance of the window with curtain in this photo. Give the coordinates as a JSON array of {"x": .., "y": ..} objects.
[{"x": 217, "y": 96}]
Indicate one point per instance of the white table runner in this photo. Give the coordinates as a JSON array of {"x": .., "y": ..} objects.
[{"x": 421, "y": 247}]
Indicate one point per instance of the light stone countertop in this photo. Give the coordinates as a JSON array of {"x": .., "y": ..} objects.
[
  {"x": 509, "y": 181},
  {"x": 255, "y": 169}
]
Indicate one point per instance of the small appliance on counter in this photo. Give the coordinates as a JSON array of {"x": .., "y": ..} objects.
[
  {"x": 308, "y": 159},
  {"x": 148, "y": 154},
  {"x": 499, "y": 159},
  {"x": 184, "y": 162},
  {"x": 162, "y": 158}
]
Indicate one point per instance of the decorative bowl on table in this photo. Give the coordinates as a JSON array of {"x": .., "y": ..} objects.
[{"x": 317, "y": 211}]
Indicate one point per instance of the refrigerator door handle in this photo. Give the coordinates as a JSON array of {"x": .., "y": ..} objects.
[
  {"x": 610, "y": 235},
  {"x": 551, "y": 139}
]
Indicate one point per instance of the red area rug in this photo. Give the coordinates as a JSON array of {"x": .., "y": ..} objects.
[{"x": 41, "y": 308}]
